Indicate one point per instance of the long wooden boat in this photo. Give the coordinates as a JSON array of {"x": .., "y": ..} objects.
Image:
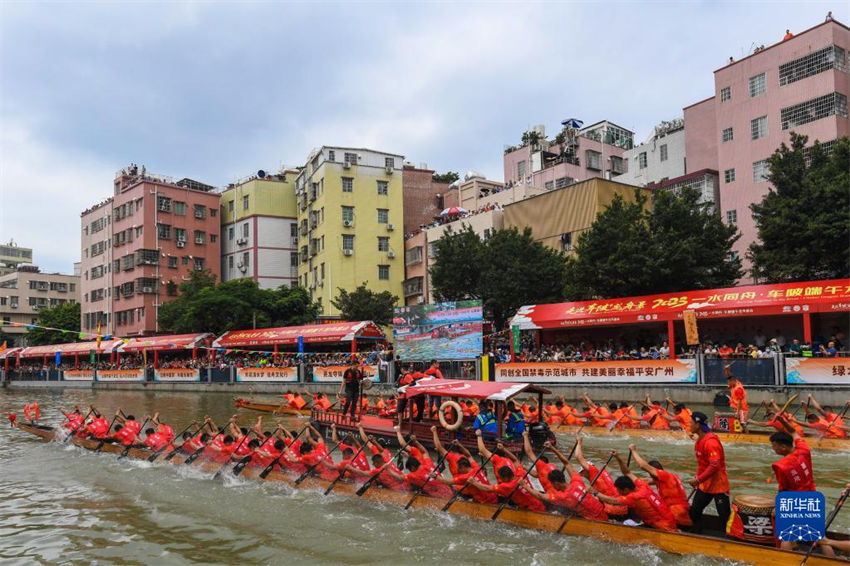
[
  {"x": 675, "y": 543},
  {"x": 269, "y": 407},
  {"x": 753, "y": 437}
]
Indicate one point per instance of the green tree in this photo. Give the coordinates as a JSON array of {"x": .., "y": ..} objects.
[
  {"x": 203, "y": 306},
  {"x": 65, "y": 317},
  {"x": 447, "y": 177},
  {"x": 457, "y": 272},
  {"x": 802, "y": 222},
  {"x": 518, "y": 270},
  {"x": 9, "y": 339},
  {"x": 365, "y": 304}
]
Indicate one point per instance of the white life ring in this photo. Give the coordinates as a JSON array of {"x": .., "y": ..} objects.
[{"x": 442, "y": 415}]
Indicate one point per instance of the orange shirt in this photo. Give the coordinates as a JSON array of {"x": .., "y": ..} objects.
[
  {"x": 672, "y": 492},
  {"x": 711, "y": 464},
  {"x": 684, "y": 419},
  {"x": 738, "y": 396}
]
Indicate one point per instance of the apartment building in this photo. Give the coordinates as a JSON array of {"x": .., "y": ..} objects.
[
  {"x": 24, "y": 292},
  {"x": 140, "y": 245},
  {"x": 800, "y": 84},
  {"x": 12, "y": 255},
  {"x": 574, "y": 155},
  {"x": 350, "y": 220},
  {"x": 660, "y": 157},
  {"x": 424, "y": 198},
  {"x": 259, "y": 230}
]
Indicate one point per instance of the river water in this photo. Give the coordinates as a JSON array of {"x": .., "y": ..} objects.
[{"x": 60, "y": 504}]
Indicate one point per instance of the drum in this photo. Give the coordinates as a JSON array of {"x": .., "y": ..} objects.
[
  {"x": 727, "y": 422},
  {"x": 756, "y": 514}
]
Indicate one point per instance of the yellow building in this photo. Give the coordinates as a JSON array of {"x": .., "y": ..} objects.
[
  {"x": 259, "y": 230},
  {"x": 350, "y": 222}
]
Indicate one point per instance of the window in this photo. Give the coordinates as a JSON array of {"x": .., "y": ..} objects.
[
  {"x": 641, "y": 158},
  {"x": 347, "y": 185},
  {"x": 563, "y": 182},
  {"x": 384, "y": 272},
  {"x": 147, "y": 257},
  {"x": 725, "y": 94},
  {"x": 199, "y": 263},
  {"x": 293, "y": 230},
  {"x": 731, "y": 216},
  {"x": 128, "y": 262},
  {"x": 179, "y": 208},
  {"x": 728, "y": 135},
  {"x": 760, "y": 171},
  {"x": 97, "y": 272},
  {"x": 98, "y": 248},
  {"x": 213, "y": 212},
  {"x": 593, "y": 160},
  {"x": 549, "y": 185},
  {"x": 246, "y": 259},
  {"x": 664, "y": 152},
  {"x": 230, "y": 206},
  {"x": 163, "y": 231},
  {"x": 758, "y": 128},
  {"x": 348, "y": 242},
  {"x": 245, "y": 230},
  {"x": 382, "y": 187},
  {"x": 348, "y": 214},
  {"x": 230, "y": 261},
  {"x": 293, "y": 259},
  {"x": 163, "y": 204},
  {"x": 230, "y": 232},
  {"x": 331, "y": 155},
  {"x": 729, "y": 175},
  {"x": 618, "y": 168},
  {"x": 567, "y": 241},
  {"x": 383, "y": 216},
  {"x": 389, "y": 162},
  {"x": 383, "y": 244},
  {"x": 172, "y": 262},
  {"x": 350, "y": 158},
  {"x": 413, "y": 256},
  {"x": 200, "y": 237},
  {"x": 139, "y": 230},
  {"x": 758, "y": 85},
  {"x": 184, "y": 260},
  {"x": 826, "y": 59},
  {"x": 245, "y": 202},
  {"x": 520, "y": 170},
  {"x": 180, "y": 234},
  {"x": 213, "y": 238},
  {"x": 833, "y": 104},
  {"x": 201, "y": 210}
]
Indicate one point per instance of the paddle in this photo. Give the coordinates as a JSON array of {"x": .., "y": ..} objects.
[
  {"x": 611, "y": 426},
  {"x": 516, "y": 487},
  {"x": 135, "y": 436},
  {"x": 194, "y": 455},
  {"x": 457, "y": 493},
  {"x": 586, "y": 492},
  {"x": 833, "y": 421},
  {"x": 276, "y": 461},
  {"x": 433, "y": 474},
  {"x": 342, "y": 471},
  {"x": 372, "y": 479},
  {"x": 309, "y": 470},
  {"x": 79, "y": 426},
  {"x": 99, "y": 446},
  {"x": 174, "y": 452},
  {"x": 838, "y": 505},
  {"x": 238, "y": 446},
  {"x": 156, "y": 454}
]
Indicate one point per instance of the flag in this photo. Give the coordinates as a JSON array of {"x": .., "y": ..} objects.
[{"x": 98, "y": 335}]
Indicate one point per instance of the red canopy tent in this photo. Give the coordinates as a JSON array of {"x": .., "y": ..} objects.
[
  {"x": 754, "y": 300},
  {"x": 70, "y": 349},
  {"x": 493, "y": 390},
  {"x": 313, "y": 333},
  {"x": 157, "y": 344},
  {"x": 8, "y": 354}
]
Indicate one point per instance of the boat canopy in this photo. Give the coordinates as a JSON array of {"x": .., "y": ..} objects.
[
  {"x": 174, "y": 342},
  {"x": 312, "y": 333},
  {"x": 495, "y": 391}
]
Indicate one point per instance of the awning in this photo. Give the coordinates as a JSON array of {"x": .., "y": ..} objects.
[
  {"x": 753, "y": 300},
  {"x": 9, "y": 352},
  {"x": 175, "y": 342},
  {"x": 106, "y": 347},
  {"x": 313, "y": 333},
  {"x": 495, "y": 391}
]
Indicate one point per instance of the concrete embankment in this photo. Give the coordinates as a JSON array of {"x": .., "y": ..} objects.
[{"x": 829, "y": 395}]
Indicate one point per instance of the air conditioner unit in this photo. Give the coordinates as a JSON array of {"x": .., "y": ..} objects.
[
  {"x": 390, "y": 227},
  {"x": 241, "y": 241},
  {"x": 391, "y": 255},
  {"x": 147, "y": 289},
  {"x": 346, "y": 165},
  {"x": 199, "y": 241},
  {"x": 181, "y": 243},
  {"x": 295, "y": 240},
  {"x": 347, "y": 223},
  {"x": 389, "y": 170},
  {"x": 347, "y": 252},
  {"x": 312, "y": 285}
]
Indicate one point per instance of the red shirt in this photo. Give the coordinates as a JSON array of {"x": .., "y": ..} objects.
[
  {"x": 434, "y": 372},
  {"x": 649, "y": 507},
  {"x": 390, "y": 482},
  {"x": 672, "y": 492},
  {"x": 98, "y": 427},
  {"x": 794, "y": 472},
  {"x": 156, "y": 441},
  {"x": 127, "y": 434},
  {"x": 521, "y": 498},
  {"x": 605, "y": 483},
  {"x": 313, "y": 459},
  {"x": 264, "y": 455},
  {"x": 543, "y": 470},
  {"x": 471, "y": 491},
  {"x": 591, "y": 507},
  {"x": 74, "y": 421},
  {"x": 738, "y": 399},
  {"x": 711, "y": 465},
  {"x": 434, "y": 487}
]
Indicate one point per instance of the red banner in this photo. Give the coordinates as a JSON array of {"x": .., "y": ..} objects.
[
  {"x": 176, "y": 342},
  {"x": 754, "y": 300},
  {"x": 338, "y": 332},
  {"x": 829, "y": 371},
  {"x": 626, "y": 371}
]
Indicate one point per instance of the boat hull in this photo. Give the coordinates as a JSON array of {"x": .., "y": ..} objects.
[
  {"x": 676, "y": 543},
  {"x": 267, "y": 407}
]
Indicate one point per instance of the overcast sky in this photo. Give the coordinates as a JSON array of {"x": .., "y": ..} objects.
[{"x": 215, "y": 91}]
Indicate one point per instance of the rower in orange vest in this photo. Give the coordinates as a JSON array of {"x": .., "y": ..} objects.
[
  {"x": 669, "y": 488},
  {"x": 737, "y": 398},
  {"x": 32, "y": 412}
]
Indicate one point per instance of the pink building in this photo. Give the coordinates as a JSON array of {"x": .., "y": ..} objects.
[
  {"x": 800, "y": 85},
  {"x": 150, "y": 236}
]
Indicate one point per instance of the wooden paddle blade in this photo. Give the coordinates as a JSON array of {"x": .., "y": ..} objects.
[{"x": 237, "y": 469}]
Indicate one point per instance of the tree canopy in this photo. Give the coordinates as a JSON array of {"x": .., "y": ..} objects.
[
  {"x": 365, "y": 304},
  {"x": 802, "y": 222},
  {"x": 507, "y": 270},
  {"x": 447, "y": 177},
  {"x": 204, "y": 306},
  {"x": 65, "y": 316},
  {"x": 631, "y": 249}
]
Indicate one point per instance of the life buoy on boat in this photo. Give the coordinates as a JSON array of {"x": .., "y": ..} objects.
[{"x": 442, "y": 415}]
